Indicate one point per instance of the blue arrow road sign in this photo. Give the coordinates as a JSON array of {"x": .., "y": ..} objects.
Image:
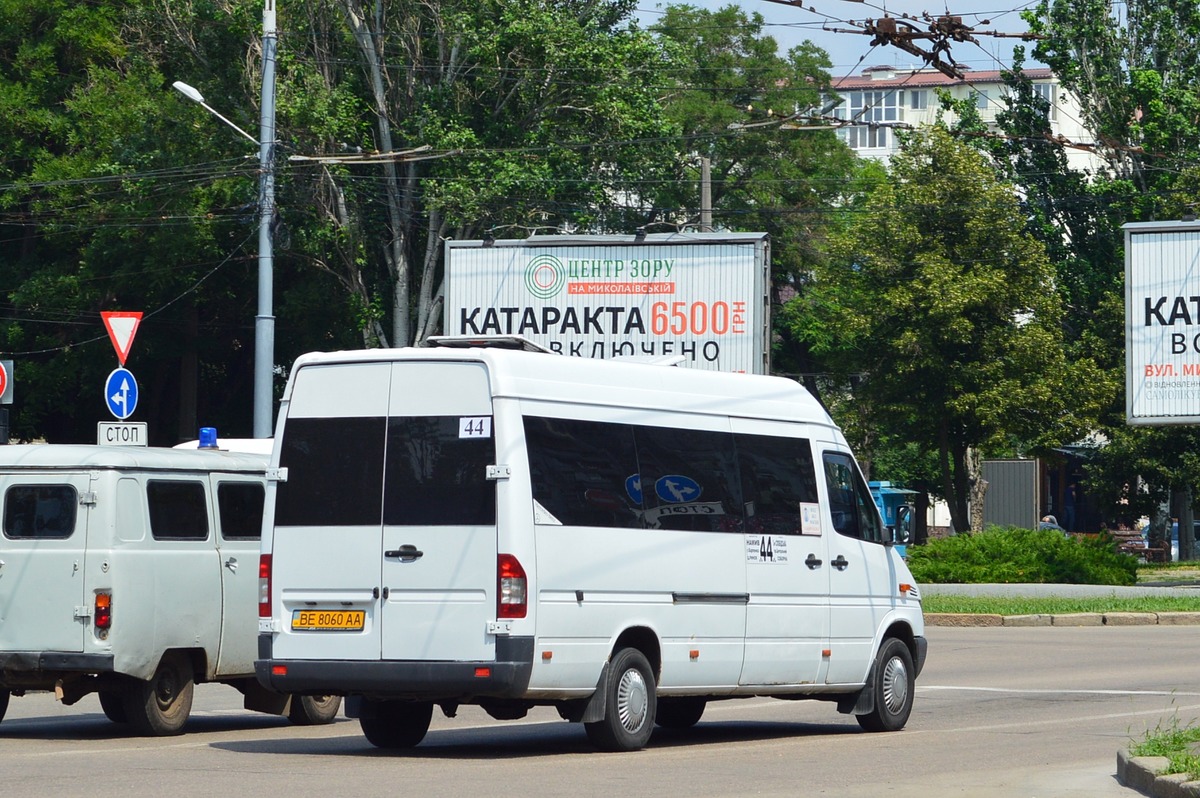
[{"x": 121, "y": 393}]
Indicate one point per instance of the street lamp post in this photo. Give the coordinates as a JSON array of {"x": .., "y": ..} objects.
[{"x": 264, "y": 321}]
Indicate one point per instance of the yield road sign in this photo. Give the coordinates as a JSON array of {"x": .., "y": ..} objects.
[
  {"x": 121, "y": 326},
  {"x": 121, "y": 393}
]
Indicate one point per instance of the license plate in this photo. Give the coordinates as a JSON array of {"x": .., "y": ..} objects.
[{"x": 328, "y": 620}]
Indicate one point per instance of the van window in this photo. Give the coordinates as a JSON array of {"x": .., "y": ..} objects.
[
  {"x": 584, "y": 473},
  {"x": 240, "y": 507},
  {"x": 40, "y": 511},
  {"x": 436, "y": 473},
  {"x": 777, "y": 476},
  {"x": 335, "y": 471},
  {"x": 178, "y": 510},
  {"x": 850, "y": 503},
  {"x": 689, "y": 479}
]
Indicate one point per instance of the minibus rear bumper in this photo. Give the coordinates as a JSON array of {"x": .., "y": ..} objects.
[{"x": 505, "y": 677}]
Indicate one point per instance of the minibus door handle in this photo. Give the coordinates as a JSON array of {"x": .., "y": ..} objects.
[
  {"x": 840, "y": 563},
  {"x": 812, "y": 562},
  {"x": 406, "y": 553}
]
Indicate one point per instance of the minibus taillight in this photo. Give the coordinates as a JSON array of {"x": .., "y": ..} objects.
[
  {"x": 512, "y": 597},
  {"x": 103, "y": 611},
  {"x": 264, "y": 586}
]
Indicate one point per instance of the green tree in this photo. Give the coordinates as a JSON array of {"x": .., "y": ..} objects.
[
  {"x": 741, "y": 105},
  {"x": 944, "y": 307}
]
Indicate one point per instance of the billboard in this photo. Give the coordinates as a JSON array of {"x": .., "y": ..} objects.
[
  {"x": 1162, "y": 323},
  {"x": 700, "y": 296}
]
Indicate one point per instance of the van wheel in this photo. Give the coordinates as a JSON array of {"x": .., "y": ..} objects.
[
  {"x": 160, "y": 707},
  {"x": 3, "y": 703},
  {"x": 113, "y": 704},
  {"x": 397, "y": 724},
  {"x": 894, "y": 686},
  {"x": 679, "y": 713},
  {"x": 314, "y": 710},
  {"x": 629, "y": 704}
]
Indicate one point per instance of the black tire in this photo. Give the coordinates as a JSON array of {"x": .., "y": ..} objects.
[
  {"x": 397, "y": 724},
  {"x": 894, "y": 684},
  {"x": 4, "y": 696},
  {"x": 679, "y": 713},
  {"x": 113, "y": 704},
  {"x": 314, "y": 710},
  {"x": 160, "y": 707},
  {"x": 629, "y": 704}
]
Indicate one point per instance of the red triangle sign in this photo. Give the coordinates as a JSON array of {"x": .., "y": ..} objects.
[{"x": 122, "y": 326}]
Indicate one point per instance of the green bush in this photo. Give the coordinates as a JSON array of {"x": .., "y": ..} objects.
[{"x": 1012, "y": 555}]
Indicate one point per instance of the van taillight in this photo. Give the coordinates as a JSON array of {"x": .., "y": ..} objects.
[
  {"x": 512, "y": 597},
  {"x": 264, "y": 586},
  {"x": 103, "y": 611}
]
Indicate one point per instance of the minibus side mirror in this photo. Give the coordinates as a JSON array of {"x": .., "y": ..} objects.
[{"x": 902, "y": 531}]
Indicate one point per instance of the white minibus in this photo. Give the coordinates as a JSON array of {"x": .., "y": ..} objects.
[{"x": 476, "y": 524}]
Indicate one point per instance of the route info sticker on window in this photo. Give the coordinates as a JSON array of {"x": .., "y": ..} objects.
[
  {"x": 810, "y": 518},
  {"x": 475, "y": 427}
]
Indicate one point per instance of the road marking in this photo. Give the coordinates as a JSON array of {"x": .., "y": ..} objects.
[{"x": 1052, "y": 691}]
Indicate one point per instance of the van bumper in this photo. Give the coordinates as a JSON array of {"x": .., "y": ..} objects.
[
  {"x": 922, "y": 645},
  {"x": 54, "y": 662},
  {"x": 505, "y": 677}
]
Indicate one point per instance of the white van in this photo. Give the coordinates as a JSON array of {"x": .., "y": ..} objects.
[
  {"x": 622, "y": 541},
  {"x": 130, "y": 572}
]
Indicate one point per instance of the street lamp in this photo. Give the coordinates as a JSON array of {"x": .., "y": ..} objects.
[{"x": 264, "y": 321}]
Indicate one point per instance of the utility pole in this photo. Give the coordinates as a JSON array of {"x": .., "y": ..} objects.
[
  {"x": 705, "y": 195},
  {"x": 264, "y": 321}
]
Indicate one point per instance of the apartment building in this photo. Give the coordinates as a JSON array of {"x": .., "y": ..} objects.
[{"x": 886, "y": 98}]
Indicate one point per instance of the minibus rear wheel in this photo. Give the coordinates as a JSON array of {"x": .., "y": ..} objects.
[
  {"x": 679, "y": 713},
  {"x": 397, "y": 724},
  {"x": 314, "y": 710},
  {"x": 629, "y": 704}
]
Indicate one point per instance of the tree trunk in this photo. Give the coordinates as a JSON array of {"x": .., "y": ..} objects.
[{"x": 978, "y": 488}]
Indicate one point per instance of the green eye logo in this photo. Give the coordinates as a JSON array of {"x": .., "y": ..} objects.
[{"x": 544, "y": 276}]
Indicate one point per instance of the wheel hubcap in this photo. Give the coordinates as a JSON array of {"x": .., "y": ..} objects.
[
  {"x": 632, "y": 700},
  {"x": 895, "y": 685}
]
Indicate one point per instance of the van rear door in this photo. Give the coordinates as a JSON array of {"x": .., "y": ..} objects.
[
  {"x": 439, "y": 514},
  {"x": 43, "y": 605},
  {"x": 328, "y": 513}
]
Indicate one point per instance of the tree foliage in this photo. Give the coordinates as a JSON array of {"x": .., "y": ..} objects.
[{"x": 944, "y": 306}]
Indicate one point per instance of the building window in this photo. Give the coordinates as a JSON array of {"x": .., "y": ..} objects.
[
  {"x": 918, "y": 99},
  {"x": 1049, "y": 93},
  {"x": 981, "y": 100},
  {"x": 864, "y": 110}
]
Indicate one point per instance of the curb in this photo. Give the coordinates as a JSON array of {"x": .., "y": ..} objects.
[
  {"x": 1141, "y": 773},
  {"x": 1069, "y": 619}
]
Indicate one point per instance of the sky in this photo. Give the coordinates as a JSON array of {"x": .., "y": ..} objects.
[{"x": 852, "y": 52}]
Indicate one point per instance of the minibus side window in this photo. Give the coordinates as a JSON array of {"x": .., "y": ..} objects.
[
  {"x": 689, "y": 479},
  {"x": 850, "y": 504},
  {"x": 777, "y": 477},
  {"x": 178, "y": 510},
  {"x": 240, "y": 508},
  {"x": 584, "y": 473},
  {"x": 40, "y": 511},
  {"x": 334, "y": 472},
  {"x": 436, "y": 475}
]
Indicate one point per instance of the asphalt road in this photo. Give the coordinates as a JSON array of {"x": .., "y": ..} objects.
[{"x": 999, "y": 712}]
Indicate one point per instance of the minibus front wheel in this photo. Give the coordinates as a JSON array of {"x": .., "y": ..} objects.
[{"x": 893, "y": 683}]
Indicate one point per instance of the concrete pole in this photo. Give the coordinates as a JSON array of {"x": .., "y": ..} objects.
[
  {"x": 264, "y": 322},
  {"x": 705, "y": 195}
]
